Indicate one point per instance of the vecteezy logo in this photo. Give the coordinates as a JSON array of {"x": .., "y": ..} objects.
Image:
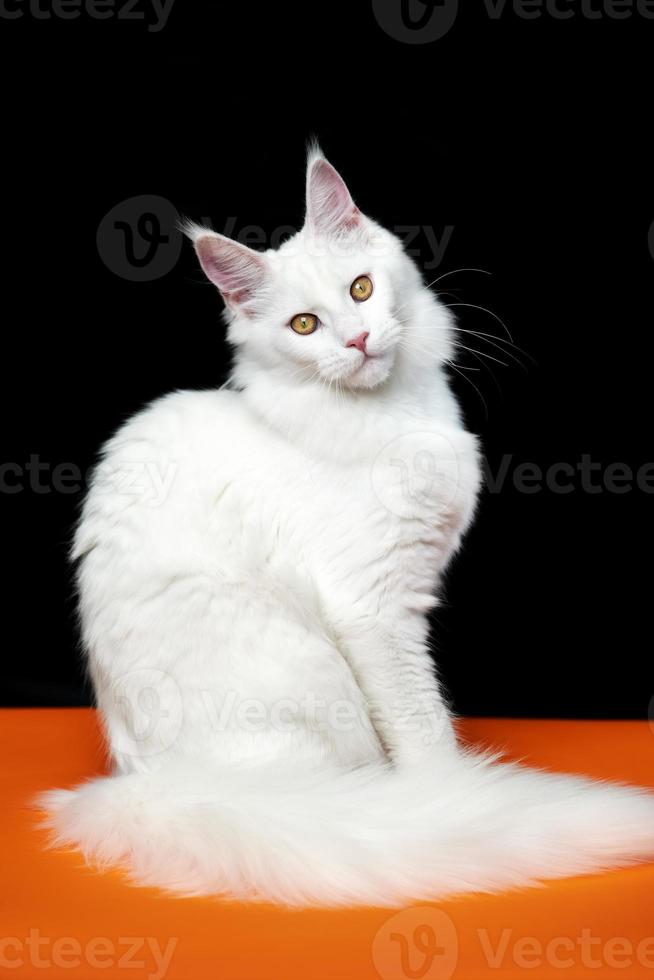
[
  {"x": 416, "y": 475},
  {"x": 415, "y": 21},
  {"x": 139, "y": 238},
  {"x": 148, "y": 704},
  {"x": 419, "y": 943}
]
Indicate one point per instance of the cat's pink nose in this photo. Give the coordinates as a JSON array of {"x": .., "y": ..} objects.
[{"x": 359, "y": 342}]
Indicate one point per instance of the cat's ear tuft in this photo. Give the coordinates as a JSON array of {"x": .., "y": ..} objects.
[
  {"x": 238, "y": 271},
  {"x": 330, "y": 208}
]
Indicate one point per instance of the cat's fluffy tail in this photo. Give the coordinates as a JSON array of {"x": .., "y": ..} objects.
[{"x": 371, "y": 836}]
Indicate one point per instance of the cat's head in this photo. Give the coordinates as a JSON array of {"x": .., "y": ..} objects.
[{"x": 339, "y": 302}]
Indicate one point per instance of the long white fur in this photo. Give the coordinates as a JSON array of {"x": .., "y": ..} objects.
[{"x": 257, "y": 634}]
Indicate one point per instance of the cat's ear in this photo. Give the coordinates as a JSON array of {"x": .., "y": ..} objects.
[
  {"x": 238, "y": 271},
  {"x": 330, "y": 208}
]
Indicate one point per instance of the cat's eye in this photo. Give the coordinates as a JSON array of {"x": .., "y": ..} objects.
[
  {"x": 304, "y": 323},
  {"x": 361, "y": 289}
]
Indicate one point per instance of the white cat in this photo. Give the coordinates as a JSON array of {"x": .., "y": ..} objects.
[{"x": 257, "y": 635}]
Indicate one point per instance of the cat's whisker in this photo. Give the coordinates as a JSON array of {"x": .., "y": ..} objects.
[
  {"x": 466, "y": 378},
  {"x": 454, "y": 271},
  {"x": 481, "y": 353},
  {"x": 493, "y": 339},
  {"x": 484, "y": 309},
  {"x": 440, "y": 293},
  {"x": 414, "y": 349},
  {"x": 409, "y": 343},
  {"x": 438, "y": 279},
  {"x": 341, "y": 393},
  {"x": 464, "y": 367},
  {"x": 478, "y": 357}
]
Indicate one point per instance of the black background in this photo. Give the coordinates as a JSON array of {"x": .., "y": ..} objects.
[{"x": 528, "y": 138}]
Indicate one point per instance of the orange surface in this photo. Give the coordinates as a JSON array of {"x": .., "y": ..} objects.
[{"x": 59, "y": 919}]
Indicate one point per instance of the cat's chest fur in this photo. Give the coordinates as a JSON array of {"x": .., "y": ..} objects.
[{"x": 370, "y": 528}]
